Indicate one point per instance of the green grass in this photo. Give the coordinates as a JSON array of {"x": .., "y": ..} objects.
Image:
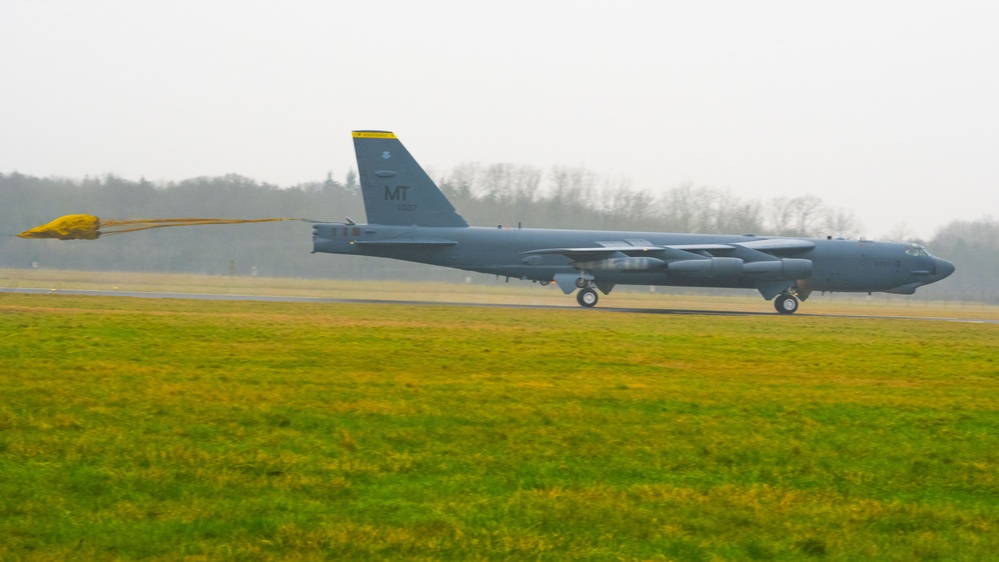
[{"x": 134, "y": 428}]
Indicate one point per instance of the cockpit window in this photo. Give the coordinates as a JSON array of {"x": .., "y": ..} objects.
[{"x": 916, "y": 250}]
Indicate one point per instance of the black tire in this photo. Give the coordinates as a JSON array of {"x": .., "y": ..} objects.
[
  {"x": 587, "y": 298},
  {"x": 786, "y": 304}
]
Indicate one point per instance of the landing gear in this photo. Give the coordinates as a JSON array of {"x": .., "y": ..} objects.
[
  {"x": 587, "y": 297},
  {"x": 786, "y": 303}
]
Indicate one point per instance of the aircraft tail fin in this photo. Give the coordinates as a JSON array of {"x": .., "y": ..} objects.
[{"x": 396, "y": 190}]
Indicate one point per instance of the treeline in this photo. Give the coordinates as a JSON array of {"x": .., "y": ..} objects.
[
  {"x": 973, "y": 246},
  {"x": 563, "y": 197},
  {"x": 567, "y": 197}
]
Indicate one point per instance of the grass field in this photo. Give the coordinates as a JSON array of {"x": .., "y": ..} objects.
[{"x": 135, "y": 428}]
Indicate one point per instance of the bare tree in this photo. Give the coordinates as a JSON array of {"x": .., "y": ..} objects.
[
  {"x": 804, "y": 215},
  {"x": 681, "y": 207}
]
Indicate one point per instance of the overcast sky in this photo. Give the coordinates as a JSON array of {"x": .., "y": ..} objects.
[{"x": 888, "y": 109}]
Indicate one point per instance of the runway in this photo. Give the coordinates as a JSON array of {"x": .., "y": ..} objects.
[{"x": 322, "y": 300}]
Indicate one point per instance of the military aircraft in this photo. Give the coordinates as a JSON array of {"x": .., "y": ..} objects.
[{"x": 410, "y": 219}]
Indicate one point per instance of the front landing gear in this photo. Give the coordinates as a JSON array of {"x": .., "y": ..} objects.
[
  {"x": 587, "y": 297},
  {"x": 786, "y": 303}
]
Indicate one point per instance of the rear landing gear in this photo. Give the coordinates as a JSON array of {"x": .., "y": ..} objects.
[
  {"x": 587, "y": 297},
  {"x": 786, "y": 303}
]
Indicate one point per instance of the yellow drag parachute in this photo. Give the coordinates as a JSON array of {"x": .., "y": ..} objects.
[{"x": 89, "y": 227}]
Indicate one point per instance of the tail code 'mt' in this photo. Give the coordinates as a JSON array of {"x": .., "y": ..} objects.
[{"x": 396, "y": 190}]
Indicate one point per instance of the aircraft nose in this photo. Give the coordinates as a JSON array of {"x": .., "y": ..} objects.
[{"x": 943, "y": 268}]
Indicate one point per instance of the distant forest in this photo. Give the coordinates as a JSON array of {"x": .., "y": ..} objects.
[{"x": 486, "y": 195}]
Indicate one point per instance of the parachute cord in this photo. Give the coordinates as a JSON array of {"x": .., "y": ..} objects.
[{"x": 89, "y": 227}]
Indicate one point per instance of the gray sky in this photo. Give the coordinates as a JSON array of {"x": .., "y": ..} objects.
[{"x": 889, "y": 109}]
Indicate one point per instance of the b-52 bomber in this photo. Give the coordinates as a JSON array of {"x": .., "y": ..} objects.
[{"x": 410, "y": 219}]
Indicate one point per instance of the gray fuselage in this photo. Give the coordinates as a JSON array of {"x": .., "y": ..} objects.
[{"x": 836, "y": 264}]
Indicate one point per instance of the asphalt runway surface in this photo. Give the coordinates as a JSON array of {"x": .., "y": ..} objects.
[{"x": 275, "y": 298}]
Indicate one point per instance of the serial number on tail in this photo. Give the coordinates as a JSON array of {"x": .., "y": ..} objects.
[{"x": 407, "y": 207}]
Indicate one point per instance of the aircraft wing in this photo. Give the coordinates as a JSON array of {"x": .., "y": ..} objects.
[
  {"x": 583, "y": 255},
  {"x": 770, "y": 246},
  {"x": 599, "y": 251}
]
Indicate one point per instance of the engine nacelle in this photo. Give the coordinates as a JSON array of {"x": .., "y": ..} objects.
[
  {"x": 621, "y": 264},
  {"x": 707, "y": 267},
  {"x": 789, "y": 268}
]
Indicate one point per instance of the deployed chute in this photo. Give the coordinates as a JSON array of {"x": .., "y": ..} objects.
[{"x": 89, "y": 227}]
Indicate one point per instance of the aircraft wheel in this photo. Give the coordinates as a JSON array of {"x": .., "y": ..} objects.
[
  {"x": 580, "y": 282},
  {"x": 587, "y": 298},
  {"x": 786, "y": 304},
  {"x": 545, "y": 283}
]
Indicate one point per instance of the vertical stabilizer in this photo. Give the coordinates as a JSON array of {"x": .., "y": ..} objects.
[{"x": 396, "y": 189}]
